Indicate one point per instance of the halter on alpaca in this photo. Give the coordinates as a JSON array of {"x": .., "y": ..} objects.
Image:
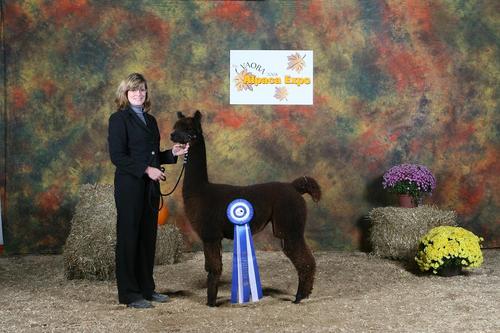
[{"x": 279, "y": 203}]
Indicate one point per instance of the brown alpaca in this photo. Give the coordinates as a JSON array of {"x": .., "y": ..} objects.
[{"x": 205, "y": 205}]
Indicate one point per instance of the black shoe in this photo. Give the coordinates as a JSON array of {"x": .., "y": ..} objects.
[
  {"x": 160, "y": 298},
  {"x": 140, "y": 304}
]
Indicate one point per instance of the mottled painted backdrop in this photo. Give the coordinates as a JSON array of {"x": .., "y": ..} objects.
[{"x": 394, "y": 81}]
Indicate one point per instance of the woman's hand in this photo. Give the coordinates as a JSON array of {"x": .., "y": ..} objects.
[
  {"x": 155, "y": 174},
  {"x": 180, "y": 149}
]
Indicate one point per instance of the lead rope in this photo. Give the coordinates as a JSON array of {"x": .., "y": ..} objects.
[{"x": 172, "y": 191}]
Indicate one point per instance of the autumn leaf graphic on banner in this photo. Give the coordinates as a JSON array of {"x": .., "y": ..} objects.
[
  {"x": 240, "y": 81},
  {"x": 281, "y": 93},
  {"x": 296, "y": 62}
]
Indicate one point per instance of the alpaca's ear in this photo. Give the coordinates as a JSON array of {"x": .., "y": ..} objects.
[
  {"x": 197, "y": 115},
  {"x": 197, "y": 121},
  {"x": 180, "y": 115}
]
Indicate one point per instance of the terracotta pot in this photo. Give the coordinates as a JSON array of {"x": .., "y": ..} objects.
[{"x": 406, "y": 201}]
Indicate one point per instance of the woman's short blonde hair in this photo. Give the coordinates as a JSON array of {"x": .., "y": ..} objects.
[{"x": 132, "y": 82}]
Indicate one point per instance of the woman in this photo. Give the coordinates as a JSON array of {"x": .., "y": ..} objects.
[{"x": 134, "y": 148}]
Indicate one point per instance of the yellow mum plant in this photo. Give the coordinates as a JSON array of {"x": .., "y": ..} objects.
[{"x": 447, "y": 246}]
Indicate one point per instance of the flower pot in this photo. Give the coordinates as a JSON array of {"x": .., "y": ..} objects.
[
  {"x": 406, "y": 201},
  {"x": 449, "y": 270}
]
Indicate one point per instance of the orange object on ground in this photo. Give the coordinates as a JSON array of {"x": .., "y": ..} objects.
[{"x": 163, "y": 215}]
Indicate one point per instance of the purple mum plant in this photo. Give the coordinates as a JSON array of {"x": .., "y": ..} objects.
[{"x": 412, "y": 179}]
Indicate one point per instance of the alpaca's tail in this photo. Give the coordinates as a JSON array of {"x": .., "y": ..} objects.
[{"x": 306, "y": 184}]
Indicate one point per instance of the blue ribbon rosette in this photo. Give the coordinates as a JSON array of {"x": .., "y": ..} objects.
[{"x": 246, "y": 280}]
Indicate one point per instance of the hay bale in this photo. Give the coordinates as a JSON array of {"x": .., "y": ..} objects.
[
  {"x": 395, "y": 232},
  {"x": 169, "y": 245},
  {"x": 89, "y": 252}
]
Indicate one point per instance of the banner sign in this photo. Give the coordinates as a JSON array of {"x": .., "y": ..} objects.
[
  {"x": 245, "y": 285},
  {"x": 271, "y": 77}
]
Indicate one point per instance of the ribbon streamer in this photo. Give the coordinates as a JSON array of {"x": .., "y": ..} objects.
[{"x": 246, "y": 284}]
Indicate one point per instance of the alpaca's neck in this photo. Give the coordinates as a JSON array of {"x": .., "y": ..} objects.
[{"x": 196, "y": 168}]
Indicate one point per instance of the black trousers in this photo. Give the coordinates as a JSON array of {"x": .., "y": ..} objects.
[{"x": 136, "y": 228}]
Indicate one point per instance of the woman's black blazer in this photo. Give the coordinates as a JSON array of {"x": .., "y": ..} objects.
[{"x": 133, "y": 145}]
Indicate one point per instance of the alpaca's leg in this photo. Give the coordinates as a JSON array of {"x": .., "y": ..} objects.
[
  {"x": 213, "y": 266},
  {"x": 299, "y": 253}
]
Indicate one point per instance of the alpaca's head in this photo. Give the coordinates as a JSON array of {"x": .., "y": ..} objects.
[{"x": 187, "y": 129}]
